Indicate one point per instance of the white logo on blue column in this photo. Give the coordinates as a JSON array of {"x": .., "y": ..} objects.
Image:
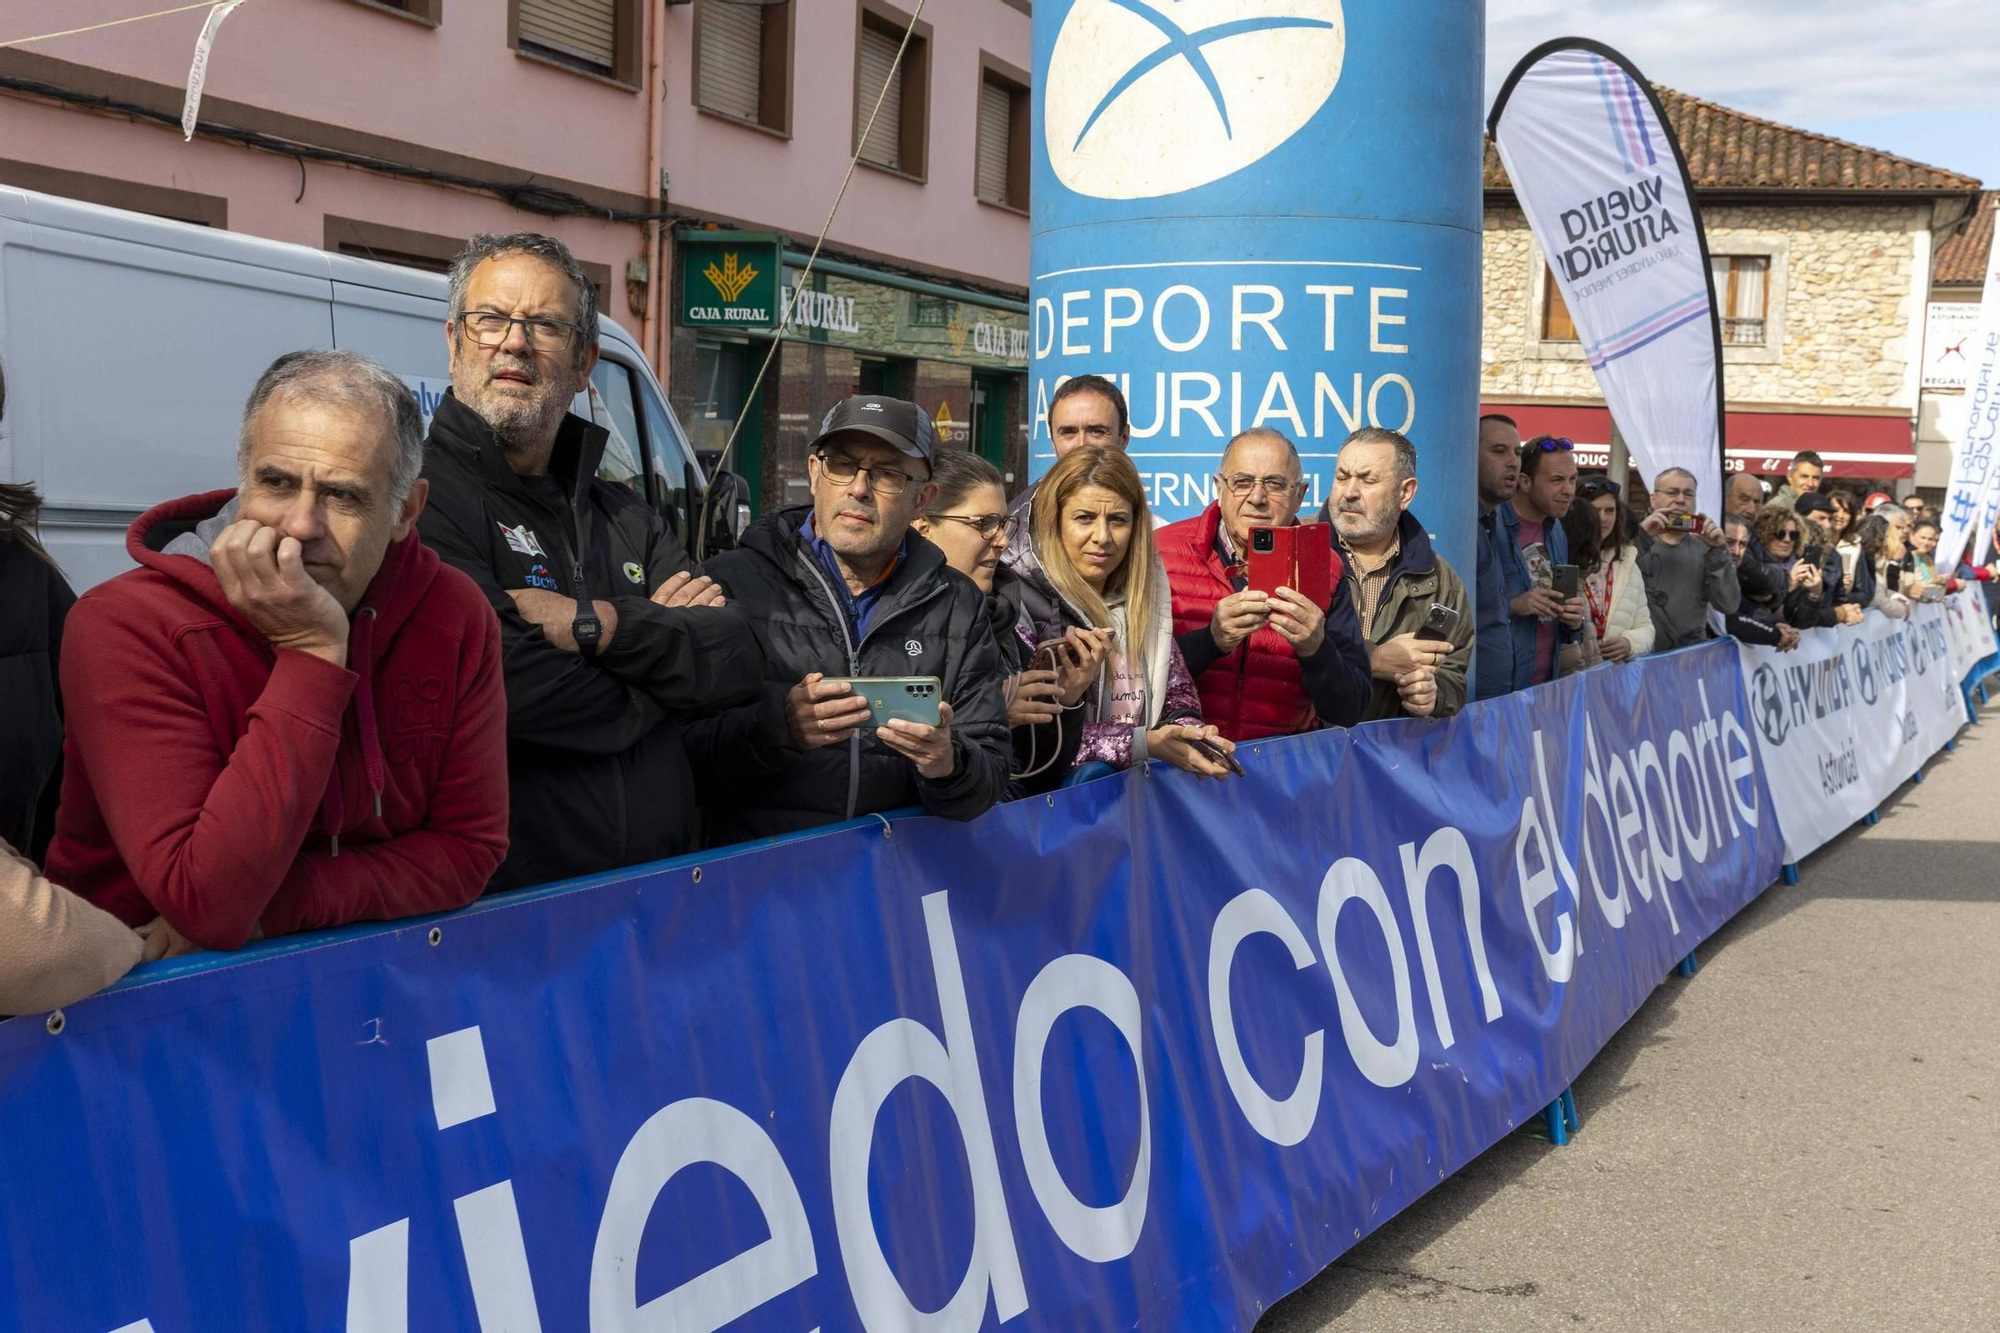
[{"x": 1152, "y": 97}]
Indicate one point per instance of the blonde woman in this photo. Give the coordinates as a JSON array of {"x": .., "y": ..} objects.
[{"x": 1090, "y": 564}]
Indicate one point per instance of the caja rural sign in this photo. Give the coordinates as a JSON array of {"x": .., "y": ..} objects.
[{"x": 729, "y": 280}]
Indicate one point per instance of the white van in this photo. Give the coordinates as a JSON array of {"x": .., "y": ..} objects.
[{"x": 129, "y": 344}]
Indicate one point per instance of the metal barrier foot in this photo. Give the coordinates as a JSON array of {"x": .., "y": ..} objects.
[
  {"x": 1560, "y": 1117},
  {"x": 1917, "y": 776},
  {"x": 1872, "y": 818},
  {"x": 1792, "y": 873},
  {"x": 1689, "y": 965},
  {"x": 1950, "y": 745}
]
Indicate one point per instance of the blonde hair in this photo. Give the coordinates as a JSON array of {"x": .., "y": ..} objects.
[{"x": 1112, "y": 470}]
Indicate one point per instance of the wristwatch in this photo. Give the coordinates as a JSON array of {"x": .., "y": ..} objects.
[{"x": 587, "y": 630}]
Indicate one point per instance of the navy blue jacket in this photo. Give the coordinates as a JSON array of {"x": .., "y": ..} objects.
[{"x": 1503, "y": 654}]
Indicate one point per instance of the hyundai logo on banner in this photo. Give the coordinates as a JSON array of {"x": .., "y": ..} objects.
[{"x": 1262, "y": 213}]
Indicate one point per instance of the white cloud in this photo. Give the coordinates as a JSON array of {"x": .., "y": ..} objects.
[{"x": 1794, "y": 61}]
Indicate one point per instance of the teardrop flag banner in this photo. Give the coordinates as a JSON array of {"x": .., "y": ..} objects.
[{"x": 1601, "y": 177}]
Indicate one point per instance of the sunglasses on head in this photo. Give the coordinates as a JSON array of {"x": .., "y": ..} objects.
[
  {"x": 1550, "y": 444},
  {"x": 1592, "y": 487}
]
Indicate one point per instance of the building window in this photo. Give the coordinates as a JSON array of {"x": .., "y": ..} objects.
[
  {"x": 743, "y": 62},
  {"x": 424, "y": 11},
  {"x": 1000, "y": 173},
  {"x": 897, "y": 141},
  {"x": 929, "y": 312},
  {"x": 1743, "y": 295},
  {"x": 1557, "y": 326},
  {"x": 598, "y": 37}
]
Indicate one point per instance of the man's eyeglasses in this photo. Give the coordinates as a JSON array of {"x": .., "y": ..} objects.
[
  {"x": 490, "y": 328},
  {"x": 988, "y": 526},
  {"x": 1242, "y": 483},
  {"x": 842, "y": 470}
]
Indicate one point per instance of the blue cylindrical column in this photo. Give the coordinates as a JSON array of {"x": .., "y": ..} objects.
[{"x": 1263, "y": 212}]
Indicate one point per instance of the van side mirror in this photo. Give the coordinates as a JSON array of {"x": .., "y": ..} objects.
[{"x": 724, "y": 509}]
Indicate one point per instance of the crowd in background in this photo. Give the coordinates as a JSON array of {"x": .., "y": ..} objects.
[{"x": 396, "y": 668}]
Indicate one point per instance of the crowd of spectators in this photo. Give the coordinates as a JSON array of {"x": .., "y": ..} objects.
[{"x": 392, "y": 670}]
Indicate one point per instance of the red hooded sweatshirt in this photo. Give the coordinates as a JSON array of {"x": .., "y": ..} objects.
[{"x": 225, "y": 785}]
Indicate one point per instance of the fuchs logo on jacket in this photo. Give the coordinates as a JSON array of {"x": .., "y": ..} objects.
[{"x": 523, "y": 539}]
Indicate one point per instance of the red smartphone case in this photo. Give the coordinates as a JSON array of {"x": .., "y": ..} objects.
[
  {"x": 1271, "y": 570},
  {"x": 1302, "y": 559}
]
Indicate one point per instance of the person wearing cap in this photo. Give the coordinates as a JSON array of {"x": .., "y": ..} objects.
[
  {"x": 1817, "y": 513},
  {"x": 608, "y": 638},
  {"x": 842, "y": 588}
]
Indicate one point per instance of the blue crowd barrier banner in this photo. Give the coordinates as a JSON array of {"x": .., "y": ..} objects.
[{"x": 1147, "y": 1053}]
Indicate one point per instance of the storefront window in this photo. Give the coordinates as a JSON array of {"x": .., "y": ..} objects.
[{"x": 723, "y": 372}]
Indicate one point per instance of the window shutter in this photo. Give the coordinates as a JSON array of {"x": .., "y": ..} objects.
[
  {"x": 732, "y": 59},
  {"x": 996, "y": 122},
  {"x": 1557, "y": 327},
  {"x": 584, "y": 29},
  {"x": 884, "y": 146}
]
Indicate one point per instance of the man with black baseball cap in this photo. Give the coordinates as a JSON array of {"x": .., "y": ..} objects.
[{"x": 839, "y": 589}]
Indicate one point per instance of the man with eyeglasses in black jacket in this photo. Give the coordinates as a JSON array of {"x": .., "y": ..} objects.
[
  {"x": 609, "y": 639},
  {"x": 839, "y": 589}
]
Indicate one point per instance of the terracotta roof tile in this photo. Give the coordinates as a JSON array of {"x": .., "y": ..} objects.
[
  {"x": 1963, "y": 256},
  {"x": 1728, "y": 150}
]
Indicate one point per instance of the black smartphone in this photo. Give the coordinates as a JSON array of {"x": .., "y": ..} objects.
[
  {"x": 1563, "y": 578},
  {"x": 1216, "y": 754},
  {"x": 1440, "y": 623}
]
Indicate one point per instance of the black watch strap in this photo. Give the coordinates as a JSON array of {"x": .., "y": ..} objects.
[{"x": 588, "y": 630}]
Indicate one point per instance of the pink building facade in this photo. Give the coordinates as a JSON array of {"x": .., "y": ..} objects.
[{"x": 394, "y": 129}]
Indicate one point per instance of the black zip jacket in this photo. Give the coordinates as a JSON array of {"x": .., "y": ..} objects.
[
  {"x": 34, "y": 600},
  {"x": 931, "y": 621},
  {"x": 595, "y": 759}
]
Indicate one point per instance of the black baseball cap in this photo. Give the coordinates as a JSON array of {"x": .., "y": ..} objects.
[
  {"x": 894, "y": 421},
  {"x": 1812, "y": 502}
]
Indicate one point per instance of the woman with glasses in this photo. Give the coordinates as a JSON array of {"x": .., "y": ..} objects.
[
  {"x": 968, "y": 522},
  {"x": 1807, "y": 602},
  {"x": 1614, "y": 593},
  {"x": 1090, "y": 556}
]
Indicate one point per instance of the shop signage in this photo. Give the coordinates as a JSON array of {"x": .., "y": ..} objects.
[
  {"x": 1949, "y": 328},
  {"x": 729, "y": 280},
  {"x": 895, "y": 321}
]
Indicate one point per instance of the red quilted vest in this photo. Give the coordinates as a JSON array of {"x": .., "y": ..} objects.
[{"x": 1257, "y": 690}]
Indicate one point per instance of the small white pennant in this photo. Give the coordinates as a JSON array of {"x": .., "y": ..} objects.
[{"x": 198, "y": 73}]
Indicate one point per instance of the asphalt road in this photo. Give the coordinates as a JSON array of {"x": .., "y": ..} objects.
[{"x": 1806, "y": 1135}]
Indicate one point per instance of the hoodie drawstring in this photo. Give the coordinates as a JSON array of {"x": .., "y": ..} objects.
[{"x": 360, "y": 658}]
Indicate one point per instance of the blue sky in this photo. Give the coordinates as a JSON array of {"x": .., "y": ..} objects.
[{"x": 1919, "y": 78}]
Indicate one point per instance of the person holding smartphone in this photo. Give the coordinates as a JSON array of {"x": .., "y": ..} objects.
[
  {"x": 1090, "y": 555},
  {"x": 1046, "y": 682},
  {"x": 1540, "y": 620},
  {"x": 1686, "y": 566}
]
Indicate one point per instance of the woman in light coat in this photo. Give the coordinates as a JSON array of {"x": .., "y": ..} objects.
[{"x": 1618, "y": 623}]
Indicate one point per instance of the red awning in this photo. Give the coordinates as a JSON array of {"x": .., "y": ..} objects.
[{"x": 1875, "y": 448}]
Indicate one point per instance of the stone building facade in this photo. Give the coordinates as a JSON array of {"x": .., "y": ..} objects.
[{"x": 1823, "y": 253}]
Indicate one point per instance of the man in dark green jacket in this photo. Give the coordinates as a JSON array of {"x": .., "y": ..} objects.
[{"x": 1396, "y": 577}]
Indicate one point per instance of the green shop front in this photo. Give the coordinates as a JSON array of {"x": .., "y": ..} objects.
[{"x": 962, "y": 355}]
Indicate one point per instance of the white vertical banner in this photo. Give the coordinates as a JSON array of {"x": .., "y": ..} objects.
[
  {"x": 198, "y": 72},
  {"x": 1599, "y": 174},
  {"x": 1972, "y": 496}
]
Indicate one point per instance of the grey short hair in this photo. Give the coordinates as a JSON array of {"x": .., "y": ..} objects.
[
  {"x": 487, "y": 245},
  {"x": 1892, "y": 512},
  {"x": 1676, "y": 472},
  {"x": 344, "y": 379},
  {"x": 1262, "y": 433},
  {"x": 1406, "y": 453}
]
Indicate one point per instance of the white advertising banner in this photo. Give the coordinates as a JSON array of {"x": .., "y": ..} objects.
[
  {"x": 1972, "y": 496},
  {"x": 1600, "y": 176},
  {"x": 1969, "y": 630},
  {"x": 1849, "y": 716},
  {"x": 1949, "y": 328}
]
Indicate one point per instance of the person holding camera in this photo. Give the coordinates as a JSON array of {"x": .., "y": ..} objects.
[
  {"x": 1685, "y": 563},
  {"x": 842, "y": 595},
  {"x": 1533, "y": 554},
  {"x": 1267, "y": 663},
  {"x": 1411, "y": 605},
  {"x": 1614, "y": 591},
  {"x": 1090, "y": 557}
]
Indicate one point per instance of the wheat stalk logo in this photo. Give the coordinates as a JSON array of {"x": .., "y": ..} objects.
[
  {"x": 957, "y": 330},
  {"x": 729, "y": 279}
]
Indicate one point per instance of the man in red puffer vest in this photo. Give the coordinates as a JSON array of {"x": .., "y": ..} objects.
[
  {"x": 1265, "y": 666},
  {"x": 292, "y": 714}
]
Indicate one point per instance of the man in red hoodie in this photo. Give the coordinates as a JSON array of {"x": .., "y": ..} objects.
[{"x": 292, "y": 715}]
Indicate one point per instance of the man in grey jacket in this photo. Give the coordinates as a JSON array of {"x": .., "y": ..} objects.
[{"x": 1687, "y": 568}]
